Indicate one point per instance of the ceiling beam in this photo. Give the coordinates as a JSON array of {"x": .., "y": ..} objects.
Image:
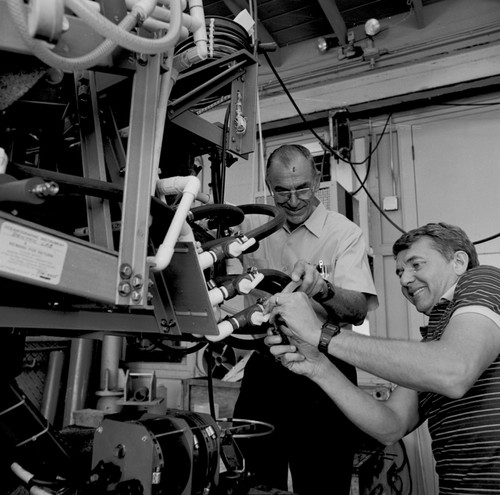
[
  {"x": 399, "y": 80},
  {"x": 236, "y": 6},
  {"x": 419, "y": 13},
  {"x": 335, "y": 19}
]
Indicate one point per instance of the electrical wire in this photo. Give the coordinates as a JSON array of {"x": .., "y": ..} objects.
[
  {"x": 338, "y": 157},
  {"x": 321, "y": 140},
  {"x": 368, "y": 167},
  {"x": 211, "y": 394}
]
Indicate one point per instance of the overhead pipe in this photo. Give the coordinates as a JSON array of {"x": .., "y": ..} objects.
[
  {"x": 141, "y": 11},
  {"x": 115, "y": 35},
  {"x": 42, "y": 51}
]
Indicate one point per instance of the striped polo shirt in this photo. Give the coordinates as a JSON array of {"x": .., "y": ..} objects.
[{"x": 466, "y": 432}]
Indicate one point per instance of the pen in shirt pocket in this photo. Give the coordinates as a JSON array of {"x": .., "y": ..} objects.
[{"x": 322, "y": 269}]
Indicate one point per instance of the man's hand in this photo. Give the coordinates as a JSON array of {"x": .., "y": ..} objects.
[
  {"x": 299, "y": 357},
  {"x": 312, "y": 281},
  {"x": 296, "y": 312}
]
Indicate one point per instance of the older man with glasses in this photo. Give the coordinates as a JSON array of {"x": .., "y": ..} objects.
[{"x": 312, "y": 437}]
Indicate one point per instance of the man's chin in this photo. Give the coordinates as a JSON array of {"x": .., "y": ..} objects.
[{"x": 294, "y": 221}]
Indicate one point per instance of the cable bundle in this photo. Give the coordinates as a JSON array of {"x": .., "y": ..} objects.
[{"x": 224, "y": 37}]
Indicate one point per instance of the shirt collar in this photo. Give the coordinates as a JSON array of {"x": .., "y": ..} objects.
[
  {"x": 449, "y": 294},
  {"x": 316, "y": 221}
]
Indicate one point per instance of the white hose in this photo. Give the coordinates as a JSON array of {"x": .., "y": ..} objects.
[
  {"x": 190, "y": 187},
  {"x": 41, "y": 50},
  {"x": 225, "y": 330},
  {"x": 127, "y": 40},
  {"x": 154, "y": 25},
  {"x": 199, "y": 53},
  {"x": 200, "y": 33},
  {"x": 188, "y": 21},
  {"x": 4, "y": 160},
  {"x": 26, "y": 476}
]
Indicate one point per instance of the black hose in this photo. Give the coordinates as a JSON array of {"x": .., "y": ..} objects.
[
  {"x": 274, "y": 281},
  {"x": 218, "y": 215},
  {"x": 268, "y": 228}
]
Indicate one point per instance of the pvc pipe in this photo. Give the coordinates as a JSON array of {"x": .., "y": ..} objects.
[
  {"x": 166, "y": 3},
  {"x": 4, "y": 160},
  {"x": 42, "y": 51},
  {"x": 161, "y": 14},
  {"x": 127, "y": 40},
  {"x": 206, "y": 259},
  {"x": 217, "y": 295},
  {"x": 154, "y": 25},
  {"x": 247, "y": 284},
  {"x": 200, "y": 33},
  {"x": 225, "y": 330},
  {"x": 190, "y": 186},
  {"x": 26, "y": 476}
]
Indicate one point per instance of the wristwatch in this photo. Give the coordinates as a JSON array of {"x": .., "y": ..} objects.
[
  {"x": 329, "y": 294},
  {"x": 328, "y": 331}
]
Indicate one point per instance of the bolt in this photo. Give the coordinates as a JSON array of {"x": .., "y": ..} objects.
[
  {"x": 137, "y": 282},
  {"x": 124, "y": 289},
  {"x": 119, "y": 451},
  {"x": 142, "y": 59},
  {"x": 136, "y": 296},
  {"x": 125, "y": 271}
]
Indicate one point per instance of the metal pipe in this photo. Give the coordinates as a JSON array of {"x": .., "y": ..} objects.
[
  {"x": 78, "y": 377},
  {"x": 52, "y": 386},
  {"x": 110, "y": 361}
]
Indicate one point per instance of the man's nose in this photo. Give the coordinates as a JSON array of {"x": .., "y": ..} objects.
[
  {"x": 406, "y": 277},
  {"x": 294, "y": 200}
]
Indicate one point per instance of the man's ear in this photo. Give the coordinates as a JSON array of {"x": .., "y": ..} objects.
[
  {"x": 317, "y": 179},
  {"x": 269, "y": 188},
  {"x": 460, "y": 262}
]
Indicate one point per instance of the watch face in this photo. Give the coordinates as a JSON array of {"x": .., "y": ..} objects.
[{"x": 328, "y": 331}]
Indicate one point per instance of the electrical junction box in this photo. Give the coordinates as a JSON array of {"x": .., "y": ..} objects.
[{"x": 390, "y": 203}]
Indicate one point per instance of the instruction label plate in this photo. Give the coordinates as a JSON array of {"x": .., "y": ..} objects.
[{"x": 30, "y": 254}]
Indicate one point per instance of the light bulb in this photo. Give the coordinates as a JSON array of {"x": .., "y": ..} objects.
[{"x": 372, "y": 27}]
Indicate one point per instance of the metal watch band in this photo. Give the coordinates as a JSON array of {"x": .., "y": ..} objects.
[
  {"x": 328, "y": 331},
  {"x": 330, "y": 293}
]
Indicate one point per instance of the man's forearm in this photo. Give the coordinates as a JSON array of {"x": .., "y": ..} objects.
[
  {"x": 414, "y": 365},
  {"x": 370, "y": 415},
  {"x": 347, "y": 306}
]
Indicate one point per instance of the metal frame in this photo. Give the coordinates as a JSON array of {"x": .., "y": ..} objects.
[{"x": 122, "y": 295}]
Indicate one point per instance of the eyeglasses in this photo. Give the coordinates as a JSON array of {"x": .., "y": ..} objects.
[{"x": 284, "y": 196}]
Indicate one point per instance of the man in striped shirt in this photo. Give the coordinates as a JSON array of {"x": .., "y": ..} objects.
[{"x": 451, "y": 378}]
